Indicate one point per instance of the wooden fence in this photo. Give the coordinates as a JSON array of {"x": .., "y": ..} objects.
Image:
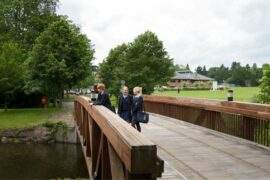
[
  {"x": 112, "y": 148},
  {"x": 245, "y": 120}
]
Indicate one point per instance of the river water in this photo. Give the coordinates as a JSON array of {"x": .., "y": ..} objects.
[{"x": 38, "y": 161}]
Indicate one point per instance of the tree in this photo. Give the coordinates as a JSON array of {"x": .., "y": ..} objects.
[
  {"x": 238, "y": 74},
  {"x": 256, "y": 75},
  {"x": 61, "y": 58},
  {"x": 22, "y": 20},
  {"x": 199, "y": 70},
  {"x": 144, "y": 62},
  {"x": 204, "y": 71},
  {"x": 264, "y": 95},
  {"x": 11, "y": 70},
  {"x": 147, "y": 63},
  {"x": 187, "y": 67},
  {"x": 110, "y": 67},
  {"x": 220, "y": 74}
]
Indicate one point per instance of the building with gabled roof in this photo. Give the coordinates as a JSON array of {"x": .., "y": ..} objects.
[{"x": 187, "y": 78}]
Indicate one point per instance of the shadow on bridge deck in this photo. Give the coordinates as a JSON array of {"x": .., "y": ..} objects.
[{"x": 194, "y": 152}]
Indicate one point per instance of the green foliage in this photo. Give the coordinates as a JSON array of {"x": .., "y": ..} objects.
[
  {"x": 55, "y": 127},
  {"x": 110, "y": 68},
  {"x": 11, "y": 70},
  {"x": 203, "y": 71},
  {"x": 199, "y": 70},
  {"x": 85, "y": 83},
  {"x": 264, "y": 95},
  {"x": 61, "y": 58},
  {"x": 220, "y": 74},
  {"x": 237, "y": 74},
  {"x": 143, "y": 62},
  {"x": 23, "y": 20}
]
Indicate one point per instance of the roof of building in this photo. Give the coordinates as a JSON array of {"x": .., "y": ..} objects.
[{"x": 188, "y": 75}]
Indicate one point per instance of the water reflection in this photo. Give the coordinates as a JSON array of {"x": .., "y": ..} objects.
[{"x": 28, "y": 161}]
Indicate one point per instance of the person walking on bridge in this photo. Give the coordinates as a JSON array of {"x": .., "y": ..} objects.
[
  {"x": 124, "y": 105},
  {"x": 137, "y": 107},
  {"x": 103, "y": 97}
]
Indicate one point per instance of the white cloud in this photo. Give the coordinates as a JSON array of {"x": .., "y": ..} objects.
[{"x": 208, "y": 32}]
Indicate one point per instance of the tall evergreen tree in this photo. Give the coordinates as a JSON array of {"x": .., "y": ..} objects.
[
  {"x": 199, "y": 70},
  {"x": 204, "y": 71},
  {"x": 187, "y": 67}
]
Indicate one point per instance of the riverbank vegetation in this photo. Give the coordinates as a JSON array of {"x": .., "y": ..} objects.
[{"x": 25, "y": 118}]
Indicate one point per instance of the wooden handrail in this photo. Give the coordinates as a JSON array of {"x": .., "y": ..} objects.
[
  {"x": 253, "y": 110},
  {"x": 250, "y": 121},
  {"x": 137, "y": 154}
]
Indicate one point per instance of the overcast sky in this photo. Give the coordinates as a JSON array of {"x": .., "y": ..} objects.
[{"x": 197, "y": 32}]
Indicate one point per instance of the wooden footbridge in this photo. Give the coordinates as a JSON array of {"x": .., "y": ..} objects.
[{"x": 185, "y": 139}]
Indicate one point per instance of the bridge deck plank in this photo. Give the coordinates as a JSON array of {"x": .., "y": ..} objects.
[{"x": 193, "y": 152}]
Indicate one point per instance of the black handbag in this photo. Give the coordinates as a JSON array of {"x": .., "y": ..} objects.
[{"x": 142, "y": 117}]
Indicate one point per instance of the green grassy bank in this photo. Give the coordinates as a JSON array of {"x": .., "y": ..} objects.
[
  {"x": 246, "y": 94},
  {"x": 21, "y": 118}
]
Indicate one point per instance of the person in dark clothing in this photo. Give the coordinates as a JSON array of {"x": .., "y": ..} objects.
[
  {"x": 124, "y": 105},
  {"x": 137, "y": 106},
  {"x": 103, "y": 97}
]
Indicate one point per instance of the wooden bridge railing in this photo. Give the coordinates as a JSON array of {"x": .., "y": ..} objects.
[
  {"x": 112, "y": 148},
  {"x": 245, "y": 120}
]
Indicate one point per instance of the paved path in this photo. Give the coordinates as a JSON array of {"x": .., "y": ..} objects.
[
  {"x": 193, "y": 152},
  {"x": 65, "y": 114}
]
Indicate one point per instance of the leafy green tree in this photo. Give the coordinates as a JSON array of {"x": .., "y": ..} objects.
[
  {"x": 110, "y": 67},
  {"x": 11, "y": 70},
  {"x": 61, "y": 58},
  {"x": 23, "y": 20},
  {"x": 220, "y": 74},
  {"x": 238, "y": 74},
  {"x": 264, "y": 95},
  {"x": 144, "y": 62},
  {"x": 147, "y": 63},
  {"x": 85, "y": 83}
]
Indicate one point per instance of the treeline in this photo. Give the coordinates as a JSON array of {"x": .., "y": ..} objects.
[
  {"x": 41, "y": 53},
  {"x": 248, "y": 75}
]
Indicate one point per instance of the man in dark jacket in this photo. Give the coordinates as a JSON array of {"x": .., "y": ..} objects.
[{"x": 124, "y": 105}]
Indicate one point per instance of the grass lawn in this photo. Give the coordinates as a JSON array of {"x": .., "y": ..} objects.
[
  {"x": 20, "y": 118},
  {"x": 240, "y": 94}
]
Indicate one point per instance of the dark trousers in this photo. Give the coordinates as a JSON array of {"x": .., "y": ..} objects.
[
  {"x": 135, "y": 123},
  {"x": 126, "y": 115}
]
